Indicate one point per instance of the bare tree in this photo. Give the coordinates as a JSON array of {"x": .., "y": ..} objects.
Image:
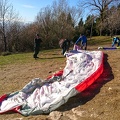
[
  {"x": 7, "y": 16},
  {"x": 62, "y": 12},
  {"x": 101, "y": 7},
  {"x": 57, "y": 21},
  {"x": 112, "y": 21}
]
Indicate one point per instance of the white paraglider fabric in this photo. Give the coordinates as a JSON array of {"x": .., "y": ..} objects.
[{"x": 37, "y": 97}]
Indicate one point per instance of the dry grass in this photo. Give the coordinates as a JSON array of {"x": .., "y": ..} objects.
[{"x": 101, "y": 101}]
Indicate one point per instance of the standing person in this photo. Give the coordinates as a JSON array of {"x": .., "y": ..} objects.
[
  {"x": 83, "y": 40},
  {"x": 37, "y": 42},
  {"x": 64, "y": 44},
  {"x": 115, "y": 40},
  {"x": 67, "y": 45}
]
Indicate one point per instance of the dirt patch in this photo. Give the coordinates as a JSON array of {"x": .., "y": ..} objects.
[{"x": 101, "y": 101}]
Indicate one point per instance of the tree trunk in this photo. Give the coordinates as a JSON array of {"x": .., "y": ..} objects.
[{"x": 5, "y": 44}]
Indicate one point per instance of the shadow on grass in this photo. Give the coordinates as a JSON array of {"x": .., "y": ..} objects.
[
  {"x": 88, "y": 94},
  {"x": 51, "y": 57}
]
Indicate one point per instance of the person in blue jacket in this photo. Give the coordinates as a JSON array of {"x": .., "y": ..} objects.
[
  {"x": 115, "y": 40},
  {"x": 83, "y": 40}
]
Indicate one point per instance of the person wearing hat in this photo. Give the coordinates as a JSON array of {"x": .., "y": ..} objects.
[{"x": 37, "y": 43}]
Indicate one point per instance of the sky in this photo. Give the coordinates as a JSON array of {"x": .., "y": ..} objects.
[{"x": 28, "y": 9}]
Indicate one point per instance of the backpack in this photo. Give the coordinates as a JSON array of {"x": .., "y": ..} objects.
[{"x": 61, "y": 42}]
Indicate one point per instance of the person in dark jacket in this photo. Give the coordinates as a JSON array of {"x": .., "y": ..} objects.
[
  {"x": 37, "y": 43},
  {"x": 64, "y": 44}
]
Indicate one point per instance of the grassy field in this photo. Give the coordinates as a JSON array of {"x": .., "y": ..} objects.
[
  {"x": 16, "y": 70},
  {"x": 23, "y": 58}
]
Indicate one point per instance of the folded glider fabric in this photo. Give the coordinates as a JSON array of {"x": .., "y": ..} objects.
[{"x": 40, "y": 97}]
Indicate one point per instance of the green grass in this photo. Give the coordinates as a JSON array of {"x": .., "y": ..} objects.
[
  {"x": 14, "y": 58},
  {"x": 102, "y": 40},
  {"x": 23, "y": 58}
]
